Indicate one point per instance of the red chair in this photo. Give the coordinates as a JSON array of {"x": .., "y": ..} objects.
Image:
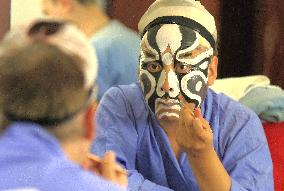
[{"x": 275, "y": 137}]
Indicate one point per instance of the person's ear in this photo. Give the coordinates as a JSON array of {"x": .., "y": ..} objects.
[
  {"x": 213, "y": 70},
  {"x": 90, "y": 128}
]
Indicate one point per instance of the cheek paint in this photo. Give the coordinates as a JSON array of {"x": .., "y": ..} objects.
[
  {"x": 194, "y": 87},
  {"x": 148, "y": 84}
]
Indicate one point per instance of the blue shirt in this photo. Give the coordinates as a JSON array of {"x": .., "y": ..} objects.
[
  {"x": 31, "y": 158},
  {"x": 117, "y": 50},
  {"x": 126, "y": 125}
]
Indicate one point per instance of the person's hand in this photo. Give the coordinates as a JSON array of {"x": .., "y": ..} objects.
[
  {"x": 108, "y": 168},
  {"x": 194, "y": 134}
]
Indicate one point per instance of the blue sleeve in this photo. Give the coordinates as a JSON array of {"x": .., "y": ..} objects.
[
  {"x": 116, "y": 131},
  {"x": 246, "y": 154}
]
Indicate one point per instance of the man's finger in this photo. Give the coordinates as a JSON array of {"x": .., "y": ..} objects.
[
  {"x": 108, "y": 166},
  {"x": 94, "y": 164},
  {"x": 122, "y": 176},
  {"x": 197, "y": 113}
]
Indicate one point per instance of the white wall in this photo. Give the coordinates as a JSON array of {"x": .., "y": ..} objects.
[{"x": 24, "y": 10}]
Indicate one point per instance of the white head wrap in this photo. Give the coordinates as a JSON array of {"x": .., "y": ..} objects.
[{"x": 189, "y": 9}]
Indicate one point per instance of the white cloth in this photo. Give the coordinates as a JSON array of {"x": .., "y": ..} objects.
[{"x": 236, "y": 87}]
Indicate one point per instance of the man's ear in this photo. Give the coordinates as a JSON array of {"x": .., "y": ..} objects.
[
  {"x": 213, "y": 70},
  {"x": 90, "y": 128}
]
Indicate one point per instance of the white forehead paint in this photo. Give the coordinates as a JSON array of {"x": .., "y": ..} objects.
[
  {"x": 173, "y": 83},
  {"x": 145, "y": 40},
  {"x": 169, "y": 35},
  {"x": 195, "y": 44},
  {"x": 144, "y": 58},
  {"x": 152, "y": 81},
  {"x": 167, "y": 58},
  {"x": 198, "y": 58},
  {"x": 185, "y": 89}
]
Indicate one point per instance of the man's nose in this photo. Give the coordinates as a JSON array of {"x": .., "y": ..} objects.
[{"x": 167, "y": 86}]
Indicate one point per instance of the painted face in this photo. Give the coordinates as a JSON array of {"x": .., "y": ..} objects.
[{"x": 174, "y": 62}]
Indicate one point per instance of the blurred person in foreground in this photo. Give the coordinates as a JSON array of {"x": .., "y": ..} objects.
[
  {"x": 172, "y": 132},
  {"x": 116, "y": 45},
  {"x": 47, "y": 73}
]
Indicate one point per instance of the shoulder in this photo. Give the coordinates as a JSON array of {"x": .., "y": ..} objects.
[
  {"x": 230, "y": 117},
  {"x": 124, "y": 97},
  {"x": 236, "y": 122},
  {"x": 126, "y": 93},
  {"x": 227, "y": 108}
]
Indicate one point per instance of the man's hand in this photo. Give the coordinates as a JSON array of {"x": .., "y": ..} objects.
[
  {"x": 194, "y": 134},
  {"x": 108, "y": 168}
]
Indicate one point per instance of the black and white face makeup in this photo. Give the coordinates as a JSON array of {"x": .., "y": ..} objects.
[{"x": 174, "y": 62}]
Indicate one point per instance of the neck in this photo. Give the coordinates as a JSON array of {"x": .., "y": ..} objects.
[
  {"x": 170, "y": 129},
  {"x": 76, "y": 149},
  {"x": 89, "y": 19}
]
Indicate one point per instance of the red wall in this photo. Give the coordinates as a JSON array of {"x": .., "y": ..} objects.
[{"x": 130, "y": 13}]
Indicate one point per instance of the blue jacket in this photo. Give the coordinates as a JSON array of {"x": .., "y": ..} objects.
[
  {"x": 118, "y": 51},
  {"x": 32, "y": 158},
  {"x": 126, "y": 125}
]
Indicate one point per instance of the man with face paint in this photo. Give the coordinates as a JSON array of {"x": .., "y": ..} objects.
[{"x": 169, "y": 130}]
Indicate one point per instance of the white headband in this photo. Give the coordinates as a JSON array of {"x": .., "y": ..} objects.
[{"x": 183, "y": 9}]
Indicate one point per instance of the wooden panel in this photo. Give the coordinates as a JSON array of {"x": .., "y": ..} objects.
[
  {"x": 214, "y": 8},
  {"x": 4, "y": 16},
  {"x": 130, "y": 13},
  {"x": 270, "y": 39},
  {"x": 237, "y": 38}
]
